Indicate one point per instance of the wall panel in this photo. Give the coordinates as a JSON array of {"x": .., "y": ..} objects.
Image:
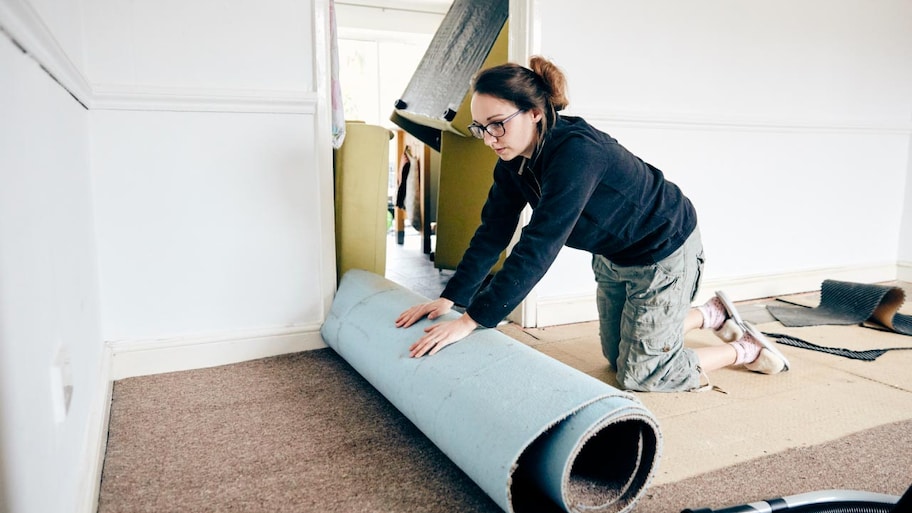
[{"x": 789, "y": 133}]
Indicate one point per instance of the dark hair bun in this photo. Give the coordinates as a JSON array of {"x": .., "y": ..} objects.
[{"x": 553, "y": 78}]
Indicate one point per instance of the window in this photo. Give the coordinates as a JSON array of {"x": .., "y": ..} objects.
[{"x": 374, "y": 72}]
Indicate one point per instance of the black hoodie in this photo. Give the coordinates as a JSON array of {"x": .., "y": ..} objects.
[{"x": 587, "y": 192}]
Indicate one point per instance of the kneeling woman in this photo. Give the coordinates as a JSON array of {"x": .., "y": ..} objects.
[{"x": 587, "y": 192}]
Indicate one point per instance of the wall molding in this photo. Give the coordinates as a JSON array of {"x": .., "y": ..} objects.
[
  {"x": 131, "y": 358},
  {"x": 20, "y": 22},
  {"x": 158, "y": 98},
  {"x": 525, "y": 30},
  {"x": 582, "y": 307},
  {"x": 672, "y": 121},
  {"x": 24, "y": 26},
  {"x": 904, "y": 271},
  {"x": 565, "y": 310},
  {"x": 745, "y": 288}
]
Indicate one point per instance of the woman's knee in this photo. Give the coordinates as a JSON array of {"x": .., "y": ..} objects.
[
  {"x": 673, "y": 375},
  {"x": 633, "y": 383},
  {"x": 635, "y": 378}
]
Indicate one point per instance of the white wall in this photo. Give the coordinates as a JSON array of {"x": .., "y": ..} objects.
[
  {"x": 178, "y": 215},
  {"x": 205, "y": 46},
  {"x": 205, "y": 222},
  {"x": 48, "y": 290},
  {"x": 789, "y": 132},
  {"x": 207, "y": 181}
]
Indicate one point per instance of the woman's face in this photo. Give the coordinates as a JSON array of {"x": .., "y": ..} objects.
[{"x": 520, "y": 132}]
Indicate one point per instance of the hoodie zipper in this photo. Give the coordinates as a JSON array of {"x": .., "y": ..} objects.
[{"x": 535, "y": 185}]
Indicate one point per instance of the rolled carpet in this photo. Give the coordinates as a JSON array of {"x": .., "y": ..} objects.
[
  {"x": 844, "y": 303},
  {"x": 533, "y": 433}
]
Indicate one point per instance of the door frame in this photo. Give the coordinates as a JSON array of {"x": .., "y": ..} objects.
[{"x": 524, "y": 42}]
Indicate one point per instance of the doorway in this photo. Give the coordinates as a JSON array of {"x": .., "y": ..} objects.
[{"x": 381, "y": 43}]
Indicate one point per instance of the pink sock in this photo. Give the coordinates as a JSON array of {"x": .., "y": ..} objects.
[
  {"x": 714, "y": 313},
  {"x": 747, "y": 350}
]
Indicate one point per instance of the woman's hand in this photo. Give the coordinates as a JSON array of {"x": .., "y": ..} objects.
[
  {"x": 442, "y": 334},
  {"x": 432, "y": 310}
]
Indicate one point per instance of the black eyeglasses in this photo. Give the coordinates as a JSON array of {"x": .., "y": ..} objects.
[{"x": 495, "y": 129}]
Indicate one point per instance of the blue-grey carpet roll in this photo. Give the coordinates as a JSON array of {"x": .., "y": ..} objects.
[{"x": 533, "y": 433}]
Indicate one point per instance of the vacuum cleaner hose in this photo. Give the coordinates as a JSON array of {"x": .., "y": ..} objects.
[{"x": 826, "y": 501}]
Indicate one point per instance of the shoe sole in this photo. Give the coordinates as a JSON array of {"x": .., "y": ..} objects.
[
  {"x": 766, "y": 343},
  {"x": 766, "y": 363},
  {"x": 730, "y": 308},
  {"x": 733, "y": 327}
]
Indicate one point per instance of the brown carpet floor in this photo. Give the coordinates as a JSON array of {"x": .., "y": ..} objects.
[
  {"x": 876, "y": 460},
  {"x": 295, "y": 433},
  {"x": 304, "y": 432}
]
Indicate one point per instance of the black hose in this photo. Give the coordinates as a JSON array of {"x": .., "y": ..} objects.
[
  {"x": 813, "y": 508},
  {"x": 826, "y": 501}
]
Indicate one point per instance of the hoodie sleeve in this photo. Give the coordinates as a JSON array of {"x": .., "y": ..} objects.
[
  {"x": 569, "y": 175},
  {"x": 499, "y": 218}
]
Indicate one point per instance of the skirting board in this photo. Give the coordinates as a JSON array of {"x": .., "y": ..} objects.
[
  {"x": 582, "y": 308},
  {"x": 96, "y": 439},
  {"x": 141, "y": 358},
  {"x": 904, "y": 271}
]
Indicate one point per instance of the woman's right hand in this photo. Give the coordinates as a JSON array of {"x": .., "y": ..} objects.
[{"x": 432, "y": 309}]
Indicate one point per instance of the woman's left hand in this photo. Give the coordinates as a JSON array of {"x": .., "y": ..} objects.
[{"x": 437, "y": 336}]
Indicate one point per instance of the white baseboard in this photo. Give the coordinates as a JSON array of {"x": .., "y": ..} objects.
[
  {"x": 144, "y": 357},
  {"x": 759, "y": 287},
  {"x": 565, "y": 310},
  {"x": 96, "y": 439},
  {"x": 904, "y": 271},
  {"x": 582, "y": 308}
]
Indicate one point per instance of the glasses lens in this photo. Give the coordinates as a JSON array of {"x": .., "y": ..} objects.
[
  {"x": 496, "y": 128},
  {"x": 477, "y": 131}
]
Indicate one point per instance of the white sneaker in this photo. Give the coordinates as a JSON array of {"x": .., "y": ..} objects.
[{"x": 770, "y": 360}]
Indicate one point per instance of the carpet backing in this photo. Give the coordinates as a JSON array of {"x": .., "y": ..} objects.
[
  {"x": 533, "y": 433},
  {"x": 846, "y": 303}
]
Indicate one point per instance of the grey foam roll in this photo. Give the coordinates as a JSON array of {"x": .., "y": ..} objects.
[{"x": 533, "y": 433}]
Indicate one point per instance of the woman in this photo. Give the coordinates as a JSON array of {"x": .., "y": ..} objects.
[{"x": 587, "y": 192}]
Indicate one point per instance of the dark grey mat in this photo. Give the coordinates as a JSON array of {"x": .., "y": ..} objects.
[
  {"x": 845, "y": 303},
  {"x": 868, "y": 355}
]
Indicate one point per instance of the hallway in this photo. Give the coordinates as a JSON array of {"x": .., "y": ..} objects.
[{"x": 408, "y": 266}]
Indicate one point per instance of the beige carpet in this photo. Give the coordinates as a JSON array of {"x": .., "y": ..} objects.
[
  {"x": 303, "y": 432},
  {"x": 822, "y": 398}
]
